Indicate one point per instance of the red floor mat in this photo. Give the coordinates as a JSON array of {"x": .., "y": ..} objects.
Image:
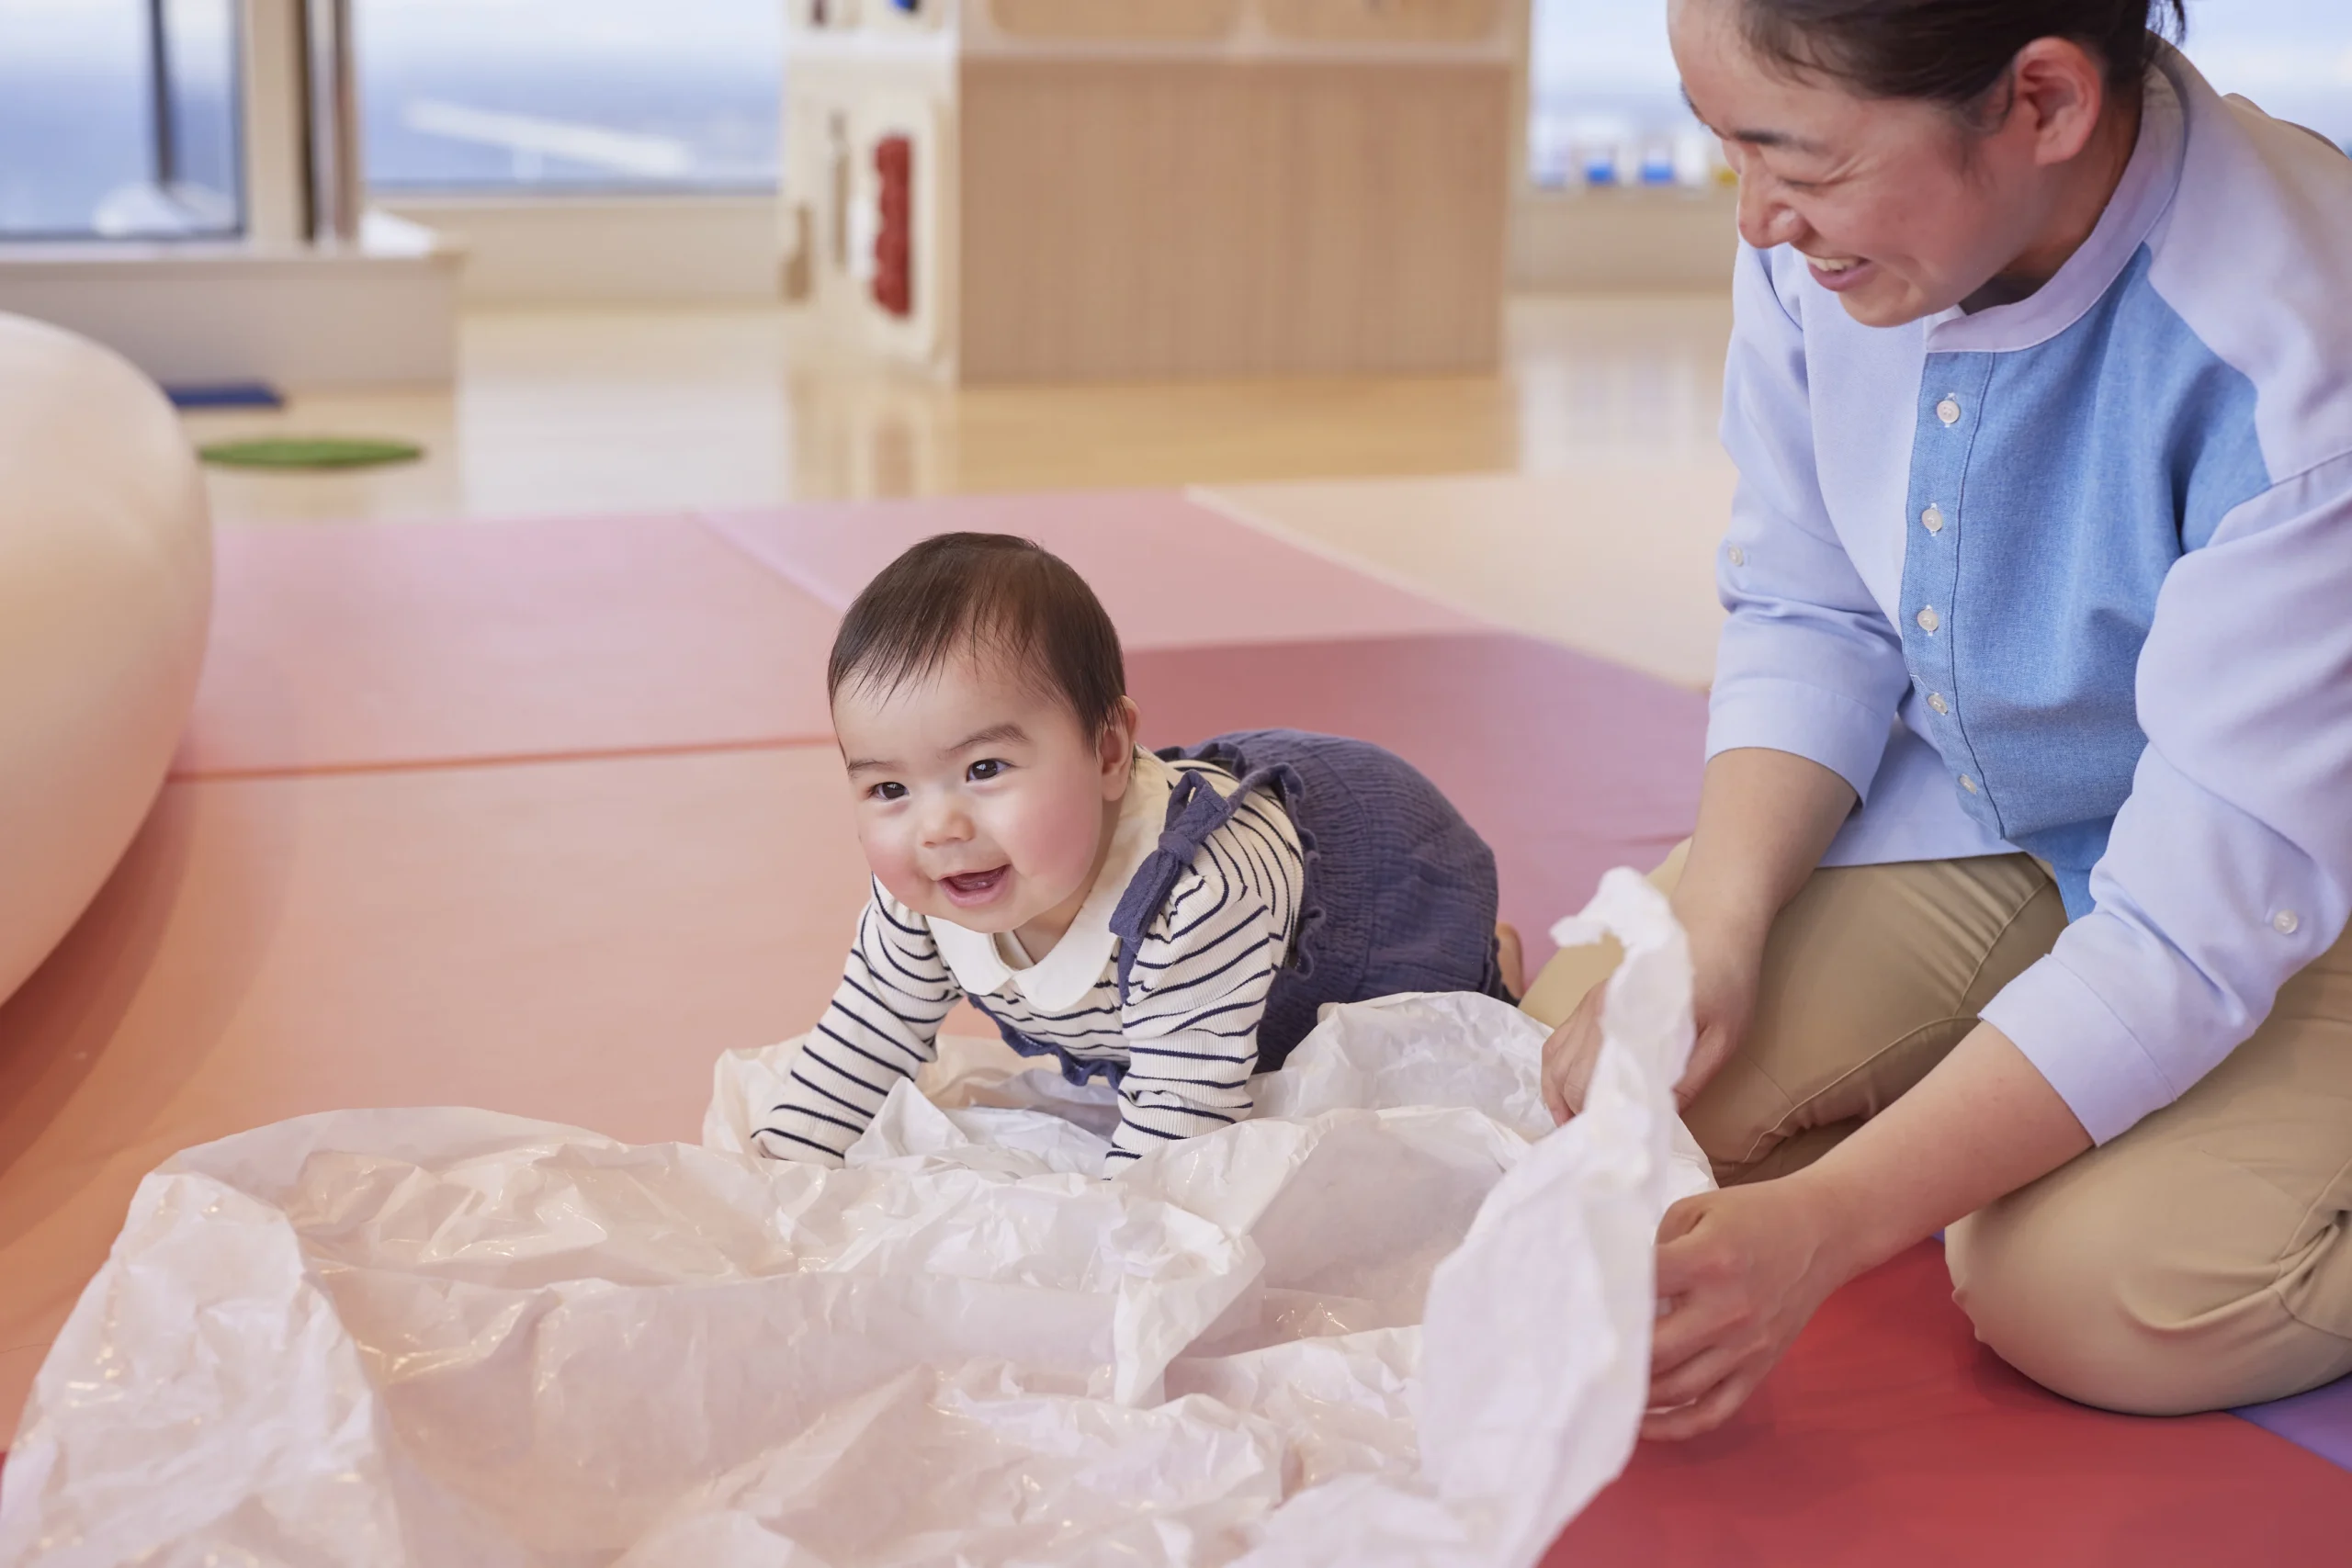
[
  {"x": 1172, "y": 573},
  {"x": 1889, "y": 1436}
]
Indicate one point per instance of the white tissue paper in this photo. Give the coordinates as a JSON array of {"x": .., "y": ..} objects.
[{"x": 1395, "y": 1318}]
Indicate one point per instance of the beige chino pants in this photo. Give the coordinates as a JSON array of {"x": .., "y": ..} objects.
[{"x": 2198, "y": 1262}]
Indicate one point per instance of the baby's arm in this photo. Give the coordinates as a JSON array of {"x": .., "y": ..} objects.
[
  {"x": 1197, "y": 993},
  {"x": 882, "y": 1025}
]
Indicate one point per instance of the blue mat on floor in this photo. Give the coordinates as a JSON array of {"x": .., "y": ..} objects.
[
  {"x": 2320, "y": 1420},
  {"x": 226, "y": 395}
]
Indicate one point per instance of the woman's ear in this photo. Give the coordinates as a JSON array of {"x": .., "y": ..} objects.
[
  {"x": 1115, "y": 748},
  {"x": 2061, "y": 90}
]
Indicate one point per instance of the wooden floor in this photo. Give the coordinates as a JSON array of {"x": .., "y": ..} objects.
[
  {"x": 559, "y": 410},
  {"x": 1577, "y": 494}
]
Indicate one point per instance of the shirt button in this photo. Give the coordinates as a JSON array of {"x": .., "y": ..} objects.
[
  {"x": 2285, "y": 923},
  {"x": 1929, "y": 620},
  {"x": 1968, "y": 783},
  {"x": 1932, "y": 520},
  {"x": 1936, "y": 701},
  {"x": 1737, "y": 555},
  {"x": 1948, "y": 410}
]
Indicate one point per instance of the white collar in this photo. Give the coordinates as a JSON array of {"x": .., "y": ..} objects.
[{"x": 1062, "y": 979}]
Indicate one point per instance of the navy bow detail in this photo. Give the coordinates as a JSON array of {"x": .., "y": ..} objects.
[{"x": 1196, "y": 810}]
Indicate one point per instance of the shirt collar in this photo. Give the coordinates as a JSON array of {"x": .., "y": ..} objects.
[
  {"x": 1060, "y": 980},
  {"x": 2139, "y": 199}
]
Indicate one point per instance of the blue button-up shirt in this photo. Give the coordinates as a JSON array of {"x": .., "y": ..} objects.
[{"x": 2073, "y": 575}]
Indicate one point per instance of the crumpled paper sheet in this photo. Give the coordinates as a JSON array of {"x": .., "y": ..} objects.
[{"x": 1395, "y": 1318}]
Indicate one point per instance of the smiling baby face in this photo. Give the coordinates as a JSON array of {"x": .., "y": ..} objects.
[{"x": 981, "y": 799}]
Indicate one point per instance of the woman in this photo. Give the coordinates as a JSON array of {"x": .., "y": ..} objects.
[{"x": 2026, "y": 838}]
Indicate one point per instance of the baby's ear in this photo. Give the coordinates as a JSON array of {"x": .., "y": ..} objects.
[{"x": 1116, "y": 746}]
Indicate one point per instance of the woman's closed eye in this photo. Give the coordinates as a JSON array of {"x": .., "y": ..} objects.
[
  {"x": 987, "y": 768},
  {"x": 1793, "y": 182}
]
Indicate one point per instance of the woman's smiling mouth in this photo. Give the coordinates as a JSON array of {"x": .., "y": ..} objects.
[{"x": 1838, "y": 274}]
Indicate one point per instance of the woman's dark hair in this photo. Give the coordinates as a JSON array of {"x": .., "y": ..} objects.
[
  {"x": 983, "y": 595},
  {"x": 1951, "y": 52}
]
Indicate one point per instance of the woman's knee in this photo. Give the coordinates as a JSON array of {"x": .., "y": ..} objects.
[
  {"x": 2056, "y": 1300},
  {"x": 2110, "y": 1306}
]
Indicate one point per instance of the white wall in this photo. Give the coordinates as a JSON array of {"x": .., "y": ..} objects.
[
  {"x": 300, "y": 322},
  {"x": 679, "y": 249},
  {"x": 1622, "y": 241}
]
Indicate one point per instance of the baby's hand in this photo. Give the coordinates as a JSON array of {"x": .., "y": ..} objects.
[{"x": 777, "y": 1144}]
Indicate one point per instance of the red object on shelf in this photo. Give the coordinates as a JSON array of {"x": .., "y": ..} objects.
[{"x": 894, "y": 163}]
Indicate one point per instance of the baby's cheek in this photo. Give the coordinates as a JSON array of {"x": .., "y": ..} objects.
[
  {"x": 1052, "y": 837},
  {"x": 892, "y": 859}
]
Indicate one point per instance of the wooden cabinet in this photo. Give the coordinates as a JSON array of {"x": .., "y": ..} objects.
[
  {"x": 1158, "y": 20},
  {"x": 1133, "y": 189},
  {"x": 1390, "y": 21}
]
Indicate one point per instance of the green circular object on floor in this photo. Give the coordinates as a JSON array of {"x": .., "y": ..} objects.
[{"x": 308, "y": 452}]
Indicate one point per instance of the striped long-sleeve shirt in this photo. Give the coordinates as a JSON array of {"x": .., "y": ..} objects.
[{"x": 1185, "y": 1036}]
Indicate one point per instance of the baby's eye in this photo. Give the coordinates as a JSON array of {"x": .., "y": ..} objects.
[
  {"x": 986, "y": 768},
  {"x": 887, "y": 791}
]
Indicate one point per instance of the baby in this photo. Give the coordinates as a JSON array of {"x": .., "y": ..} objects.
[{"x": 1170, "y": 922}]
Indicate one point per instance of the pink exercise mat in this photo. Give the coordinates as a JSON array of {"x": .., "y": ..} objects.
[
  {"x": 382, "y": 645},
  {"x": 1171, "y": 574},
  {"x": 394, "y": 645},
  {"x": 576, "y": 939},
  {"x": 572, "y": 941}
]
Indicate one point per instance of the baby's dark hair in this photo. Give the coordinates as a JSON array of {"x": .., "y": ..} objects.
[{"x": 983, "y": 595}]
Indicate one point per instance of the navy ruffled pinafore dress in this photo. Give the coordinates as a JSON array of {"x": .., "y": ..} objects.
[{"x": 1399, "y": 892}]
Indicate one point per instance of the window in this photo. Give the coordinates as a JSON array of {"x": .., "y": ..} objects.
[
  {"x": 1605, "y": 106},
  {"x": 1605, "y": 102},
  {"x": 571, "y": 95},
  {"x": 2294, "y": 57},
  {"x": 118, "y": 119}
]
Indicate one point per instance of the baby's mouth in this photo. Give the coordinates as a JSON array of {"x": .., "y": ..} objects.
[{"x": 971, "y": 886}]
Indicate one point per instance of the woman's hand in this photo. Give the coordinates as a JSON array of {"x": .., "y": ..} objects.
[
  {"x": 1724, "y": 966},
  {"x": 1765, "y": 819},
  {"x": 1740, "y": 1272}
]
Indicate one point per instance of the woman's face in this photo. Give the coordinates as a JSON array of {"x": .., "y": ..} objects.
[{"x": 1901, "y": 210}]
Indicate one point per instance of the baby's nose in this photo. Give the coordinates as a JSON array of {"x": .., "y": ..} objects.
[{"x": 946, "y": 823}]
